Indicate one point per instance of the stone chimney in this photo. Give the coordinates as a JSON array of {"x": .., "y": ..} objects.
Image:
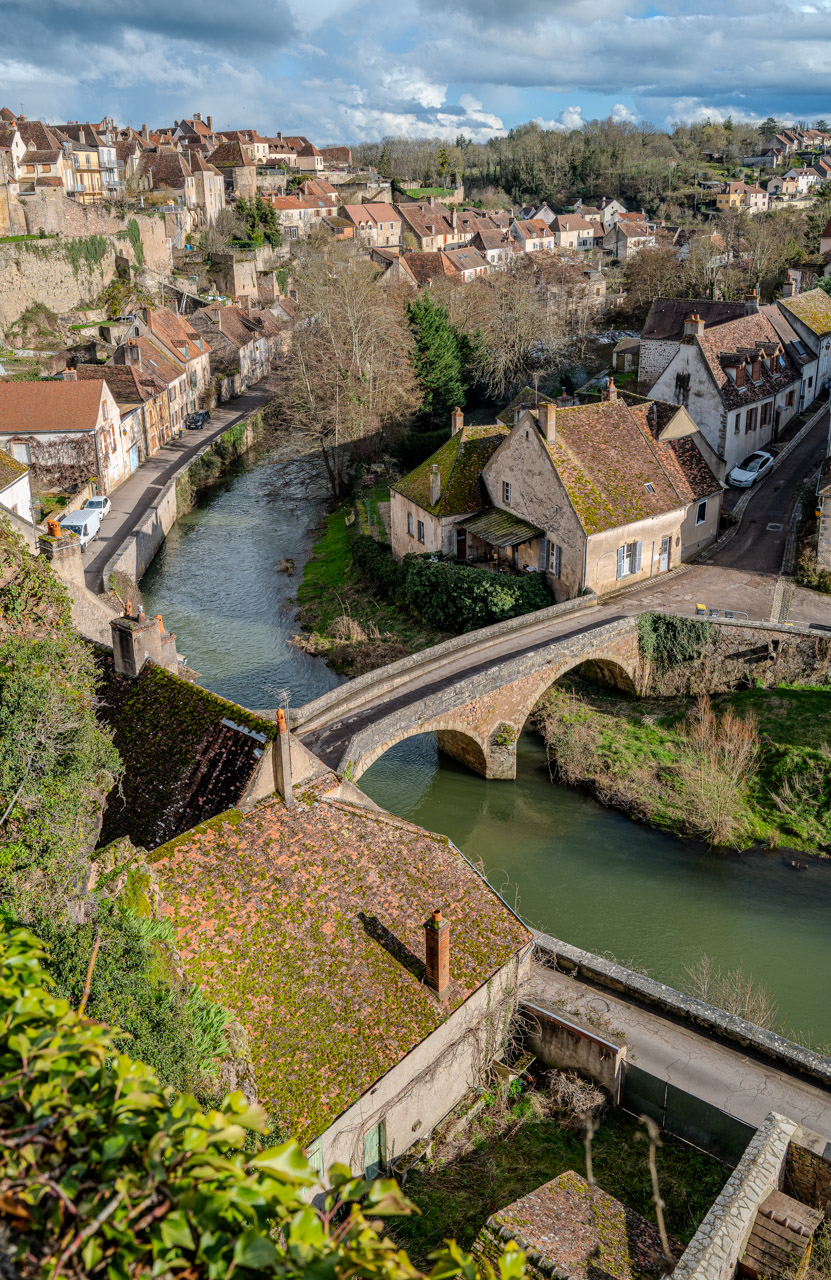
[
  {"x": 281, "y": 748},
  {"x": 454, "y": 219},
  {"x": 69, "y": 375},
  {"x": 788, "y": 289},
  {"x": 210, "y": 123},
  {"x": 751, "y": 303},
  {"x": 437, "y": 954},
  {"x": 457, "y": 420},
  {"x": 132, "y": 354},
  {"x": 197, "y": 115},
  {"x": 435, "y": 484},
  {"x": 548, "y": 421},
  {"x": 693, "y": 326},
  {"x": 145, "y": 132},
  {"x": 135, "y": 639},
  {"x": 610, "y": 391}
]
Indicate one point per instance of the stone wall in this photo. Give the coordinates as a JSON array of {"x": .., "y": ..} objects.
[
  {"x": 70, "y": 272},
  {"x": 720, "y": 1241},
  {"x": 733, "y": 653},
  {"x": 561, "y": 1041},
  {"x": 808, "y": 1170}
]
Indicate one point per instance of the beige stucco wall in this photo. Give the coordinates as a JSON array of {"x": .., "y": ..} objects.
[
  {"x": 17, "y": 497},
  {"x": 419, "y": 1091},
  {"x": 601, "y": 561},
  {"x": 694, "y": 537},
  {"x": 439, "y": 532}
]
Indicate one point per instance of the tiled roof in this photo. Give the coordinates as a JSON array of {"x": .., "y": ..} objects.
[
  {"x": 26, "y": 407},
  {"x": 572, "y": 222},
  {"x": 40, "y": 157},
  {"x": 798, "y": 353},
  {"x": 229, "y": 155},
  {"x": 174, "y": 332},
  {"x": 460, "y": 461},
  {"x": 681, "y": 459},
  {"x": 10, "y": 470},
  {"x": 489, "y": 238},
  {"x": 168, "y": 167},
  {"x": 425, "y": 267},
  {"x": 738, "y": 337},
  {"x": 667, "y": 315},
  {"x": 466, "y": 259},
  {"x": 152, "y": 361},
  {"x": 120, "y": 378},
  {"x": 812, "y": 308},
  {"x": 309, "y": 926},
  {"x": 605, "y": 460}
]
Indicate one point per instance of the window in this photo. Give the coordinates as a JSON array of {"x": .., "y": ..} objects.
[
  {"x": 766, "y": 408},
  {"x": 789, "y": 399},
  {"x": 750, "y": 420},
  {"x": 410, "y": 526},
  {"x": 628, "y": 559},
  {"x": 21, "y": 452},
  {"x": 701, "y": 512},
  {"x": 506, "y": 492},
  {"x": 555, "y": 556},
  {"x": 737, "y": 424},
  {"x": 650, "y": 488},
  {"x": 421, "y": 530}
]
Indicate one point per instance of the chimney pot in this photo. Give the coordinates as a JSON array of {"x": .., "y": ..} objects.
[
  {"x": 548, "y": 421},
  {"x": 693, "y": 326},
  {"x": 457, "y": 420},
  {"x": 437, "y": 954},
  {"x": 159, "y": 620},
  {"x": 751, "y": 303},
  {"x": 610, "y": 391},
  {"x": 128, "y": 608},
  {"x": 281, "y": 720},
  {"x": 210, "y": 123}
]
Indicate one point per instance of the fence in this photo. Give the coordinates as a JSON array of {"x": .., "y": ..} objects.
[{"x": 685, "y": 1116}]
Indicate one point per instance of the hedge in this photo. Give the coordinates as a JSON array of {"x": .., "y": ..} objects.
[{"x": 445, "y": 595}]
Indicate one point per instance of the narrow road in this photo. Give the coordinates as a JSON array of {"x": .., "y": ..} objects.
[
  {"x": 133, "y": 498},
  {"x": 757, "y": 547},
  {"x": 744, "y": 1086}
]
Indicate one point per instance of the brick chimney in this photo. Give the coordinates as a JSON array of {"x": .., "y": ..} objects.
[
  {"x": 435, "y": 484},
  {"x": 548, "y": 421},
  {"x": 693, "y": 326},
  {"x": 457, "y": 420},
  {"x": 610, "y": 391},
  {"x": 69, "y": 375},
  {"x": 132, "y": 354},
  {"x": 437, "y": 954},
  {"x": 751, "y": 303},
  {"x": 281, "y": 748}
]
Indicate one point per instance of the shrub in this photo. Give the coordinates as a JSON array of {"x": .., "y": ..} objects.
[
  {"x": 669, "y": 641},
  {"x": 448, "y": 596}
]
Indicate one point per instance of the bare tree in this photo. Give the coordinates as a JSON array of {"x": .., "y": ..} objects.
[{"x": 734, "y": 990}]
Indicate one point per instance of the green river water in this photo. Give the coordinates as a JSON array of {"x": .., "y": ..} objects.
[{"x": 579, "y": 871}]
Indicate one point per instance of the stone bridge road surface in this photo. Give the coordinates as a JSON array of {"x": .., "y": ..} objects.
[
  {"x": 133, "y": 498},
  {"x": 743, "y": 1086},
  {"x": 329, "y": 741}
]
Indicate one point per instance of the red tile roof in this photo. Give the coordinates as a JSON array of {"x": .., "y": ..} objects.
[{"x": 26, "y": 407}]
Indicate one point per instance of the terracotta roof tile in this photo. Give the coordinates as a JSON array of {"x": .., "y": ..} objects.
[
  {"x": 739, "y": 337},
  {"x": 812, "y": 308},
  {"x": 26, "y": 407}
]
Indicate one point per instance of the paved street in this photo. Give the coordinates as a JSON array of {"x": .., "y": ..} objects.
[
  {"x": 133, "y": 498},
  {"x": 743, "y": 1086}
]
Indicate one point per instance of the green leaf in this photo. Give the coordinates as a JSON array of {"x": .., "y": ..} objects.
[
  {"x": 286, "y": 1163},
  {"x": 176, "y": 1231},
  {"x": 255, "y": 1250}
]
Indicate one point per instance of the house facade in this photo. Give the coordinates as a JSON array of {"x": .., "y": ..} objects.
[
  {"x": 15, "y": 490},
  {"x": 541, "y": 501},
  {"x": 663, "y": 329},
  {"x": 66, "y": 432}
]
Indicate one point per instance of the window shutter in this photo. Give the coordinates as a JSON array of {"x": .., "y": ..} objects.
[
  {"x": 621, "y": 552},
  {"x": 542, "y": 559},
  {"x": 637, "y": 565}
]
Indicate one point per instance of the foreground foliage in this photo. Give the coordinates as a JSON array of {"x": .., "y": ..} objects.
[{"x": 103, "y": 1172}]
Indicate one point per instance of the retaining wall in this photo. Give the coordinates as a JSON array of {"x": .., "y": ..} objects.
[
  {"x": 719, "y": 1024},
  {"x": 562, "y": 1042}
]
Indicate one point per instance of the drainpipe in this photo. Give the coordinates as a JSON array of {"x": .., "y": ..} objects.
[{"x": 586, "y": 565}]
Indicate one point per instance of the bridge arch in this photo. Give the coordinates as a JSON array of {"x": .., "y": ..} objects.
[
  {"x": 601, "y": 669},
  {"x": 452, "y": 740}
]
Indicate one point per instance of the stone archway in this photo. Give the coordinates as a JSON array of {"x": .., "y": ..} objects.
[
  {"x": 464, "y": 748},
  {"x": 604, "y": 672}
]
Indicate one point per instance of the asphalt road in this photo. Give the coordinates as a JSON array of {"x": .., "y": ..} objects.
[
  {"x": 745, "y": 1087},
  {"x": 757, "y": 547},
  {"x": 132, "y": 499}
]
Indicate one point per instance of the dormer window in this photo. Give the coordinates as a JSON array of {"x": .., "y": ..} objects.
[{"x": 650, "y": 488}]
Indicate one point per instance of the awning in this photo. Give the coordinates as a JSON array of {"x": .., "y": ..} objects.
[{"x": 500, "y": 528}]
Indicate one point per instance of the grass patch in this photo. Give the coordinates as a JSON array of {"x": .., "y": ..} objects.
[
  {"x": 635, "y": 755},
  {"x": 510, "y": 1154},
  {"x": 347, "y": 622}
]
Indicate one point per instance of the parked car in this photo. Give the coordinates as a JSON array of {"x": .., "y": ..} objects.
[
  {"x": 195, "y": 421},
  {"x": 750, "y": 469},
  {"x": 100, "y": 503},
  {"x": 85, "y": 523}
]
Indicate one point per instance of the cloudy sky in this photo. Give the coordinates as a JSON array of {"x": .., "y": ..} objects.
[{"x": 350, "y": 70}]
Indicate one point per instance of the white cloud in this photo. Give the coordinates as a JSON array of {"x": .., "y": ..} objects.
[
  {"x": 569, "y": 118},
  {"x": 622, "y": 114}
]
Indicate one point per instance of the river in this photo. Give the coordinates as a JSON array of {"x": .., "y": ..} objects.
[{"x": 581, "y": 872}]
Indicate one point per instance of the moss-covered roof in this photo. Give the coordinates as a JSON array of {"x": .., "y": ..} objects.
[
  {"x": 10, "y": 469},
  {"x": 183, "y": 762},
  {"x": 522, "y": 400},
  {"x": 309, "y": 925},
  {"x": 568, "y": 1228},
  {"x": 812, "y": 308},
  {"x": 460, "y": 461}
]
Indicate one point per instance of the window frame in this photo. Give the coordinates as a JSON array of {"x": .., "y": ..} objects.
[
  {"x": 629, "y": 559},
  {"x": 506, "y": 492},
  {"x": 420, "y": 532},
  {"x": 410, "y": 524},
  {"x": 555, "y": 559},
  {"x": 701, "y": 512}
]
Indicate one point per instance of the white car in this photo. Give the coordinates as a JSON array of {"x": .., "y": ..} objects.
[
  {"x": 100, "y": 504},
  {"x": 85, "y": 523},
  {"x": 750, "y": 469}
]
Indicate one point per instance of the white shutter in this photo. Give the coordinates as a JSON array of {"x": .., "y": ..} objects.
[
  {"x": 621, "y": 554},
  {"x": 542, "y": 558},
  {"x": 637, "y": 566}
]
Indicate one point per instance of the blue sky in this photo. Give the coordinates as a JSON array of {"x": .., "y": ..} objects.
[{"x": 349, "y": 70}]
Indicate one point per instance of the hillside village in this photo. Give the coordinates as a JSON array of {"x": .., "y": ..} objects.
[{"x": 550, "y": 433}]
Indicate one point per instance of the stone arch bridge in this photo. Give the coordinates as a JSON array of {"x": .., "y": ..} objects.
[{"x": 476, "y": 700}]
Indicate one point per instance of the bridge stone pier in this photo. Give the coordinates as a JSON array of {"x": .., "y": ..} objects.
[{"x": 478, "y": 715}]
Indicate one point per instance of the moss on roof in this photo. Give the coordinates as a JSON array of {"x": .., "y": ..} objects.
[
  {"x": 309, "y": 925},
  {"x": 182, "y": 764},
  {"x": 10, "y": 469},
  {"x": 812, "y": 308},
  {"x": 523, "y": 400},
  {"x": 460, "y": 461}
]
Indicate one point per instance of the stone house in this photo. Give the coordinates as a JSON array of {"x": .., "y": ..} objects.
[
  {"x": 238, "y": 171},
  {"x": 375, "y": 988},
  {"x": 532, "y": 235},
  {"x": 240, "y": 343},
  {"x": 626, "y": 237},
  {"x": 494, "y": 244},
  {"x": 179, "y": 343},
  {"x": 467, "y": 264},
  {"x": 15, "y": 490},
  {"x": 428, "y": 223},
  {"x": 377, "y": 225},
  {"x": 67, "y": 432},
  {"x": 810, "y": 315},
  {"x": 93, "y": 152},
  {"x": 663, "y": 330},
  {"x": 736, "y": 382},
  {"x": 165, "y": 177},
  {"x": 297, "y": 215},
  {"x": 208, "y": 185},
  {"x": 571, "y": 231},
  {"x": 787, "y": 188},
  {"x": 166, "y": 376},
  {"x": 137, "y": 405},
  {"x": 594, "y": 496},
  {"x": 46, "y": 162}
]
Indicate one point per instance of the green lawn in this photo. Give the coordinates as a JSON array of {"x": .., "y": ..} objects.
[
  {"x": 795, "y": 716},
  {"x": 506, "y": 1162}
]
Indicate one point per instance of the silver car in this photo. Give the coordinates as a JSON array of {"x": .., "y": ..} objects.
[
  {"x": 99, "y": 503},
  {"x": 750, "y": 469}
]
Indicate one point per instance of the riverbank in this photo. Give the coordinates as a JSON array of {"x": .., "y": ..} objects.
[{"x": 745, "y": 769}]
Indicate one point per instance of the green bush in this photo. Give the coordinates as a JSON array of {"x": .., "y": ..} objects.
[
  {"x": 669, "y": 641},
  {"x": 103, "y": 1172},
  {"x": 448, "y": 596},
  {"x": 416, "y": 446}
]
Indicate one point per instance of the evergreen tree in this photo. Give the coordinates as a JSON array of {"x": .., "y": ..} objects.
[{"x": 437, "y": 357}]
